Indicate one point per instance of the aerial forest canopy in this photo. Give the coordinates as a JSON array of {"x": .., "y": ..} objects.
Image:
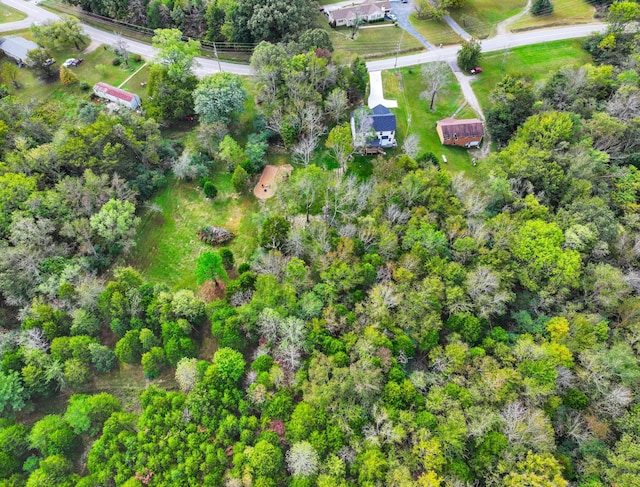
[{"x": 411, "y": 328}]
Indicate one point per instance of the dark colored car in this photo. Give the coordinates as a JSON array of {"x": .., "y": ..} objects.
[{"x": 77, "y": 61}]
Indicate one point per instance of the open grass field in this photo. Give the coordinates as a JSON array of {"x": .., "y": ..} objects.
[
  {"x": 377, "y": 42},
  {"x": 480, "y": 17},
  {"x": 8, "y": 14},
  {"x": 565, "y": 12},
  {"x": 168, "y": 245},
  {"x": 413, "y": 114},
  {"x": 435, "y": 32},
  {"x": 536, "y": 62}
]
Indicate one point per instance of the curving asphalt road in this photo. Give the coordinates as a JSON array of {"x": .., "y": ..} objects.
[{"x": 209, "y": 66}]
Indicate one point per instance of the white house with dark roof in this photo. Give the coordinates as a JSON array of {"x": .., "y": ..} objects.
[
  {"x": 367, "y": 11},
  {"x": 382, "y": 123},
  {"x": 17, "y": 48},
  {"x": 111, "y": 93}
]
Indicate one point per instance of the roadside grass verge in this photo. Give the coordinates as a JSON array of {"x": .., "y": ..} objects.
[
  {"x": 405, "y": 86},
  {"x": 536, "y": 62},
  {"x": 479, "y": 17},
  {"x": 565, "y": 12},
  {"x": 8, "y": 14},
  {"x": 435, "y": 32},
  {"x": 373, "y": 43}
]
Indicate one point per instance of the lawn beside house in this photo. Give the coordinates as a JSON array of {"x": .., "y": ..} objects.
[
  {"x": 413, "y": 114},
  {"x": 536, "y": 62},
  {"x": 565, "y": 12},
  {"x": 480, "y": 17},
  {"x": 376, "y": 42},
  {"x": 89, "y": 71},
  {"x": 8, "y": 14},
  {"x": 435, "y": 32}
]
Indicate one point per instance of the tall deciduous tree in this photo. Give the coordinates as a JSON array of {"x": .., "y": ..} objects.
[
  {"x": 218, "y": 98},
  {"x": 435, "y": 76},
  {"x": 177, "y": 55},
  {"x": 340, "y": 141},
  {"x": 209, "y": 267},
  {"x": 469, "y": 54},
  {"x": 116, "y": 224}
]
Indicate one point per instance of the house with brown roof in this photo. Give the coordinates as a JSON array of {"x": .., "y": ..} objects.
[
  {"x": 464, "y": 133},
  {"x": 367, "y": 11},
  {"x": 111, "y": 93}
]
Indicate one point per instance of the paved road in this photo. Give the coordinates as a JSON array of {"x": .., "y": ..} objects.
[
  {"x": 208, "y": 66},
  {"x": 38, "y": 14},
  {"x": 497, "y": 43}
]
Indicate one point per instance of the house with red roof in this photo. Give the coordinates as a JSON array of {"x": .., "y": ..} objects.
[{"x": 111, "y": 93}]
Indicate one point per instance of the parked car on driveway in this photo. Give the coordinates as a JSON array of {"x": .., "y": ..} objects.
[
  {"x": 73, "y": 62},
  {"x": 392, "y": 17}
]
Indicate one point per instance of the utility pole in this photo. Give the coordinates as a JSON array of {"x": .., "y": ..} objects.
[
  {"x": 395, "y": 65},
  {"x": 215, "y": 52}
]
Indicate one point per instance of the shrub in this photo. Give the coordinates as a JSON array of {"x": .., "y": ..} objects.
[
  {"x": 136, "y": 57},
  {"x": 541, "y": 7},
  {"x": 116, "y": 61},
  {"x": 210, "y": 191}
]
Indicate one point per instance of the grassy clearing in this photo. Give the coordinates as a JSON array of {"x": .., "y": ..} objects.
[
  {"x": 565, "y": 12},
  {"x": 479, "y": 17},
  {"x": 32, "y": 87},
  {"x": 405, "y": 85},
  {"x": 372, "y": 43},
  {"x": 536, "y": 62},
  {"x": 435, "y": 32},
  {"x": 8, "y": 14},
  {"x": 168, "y": 245}
]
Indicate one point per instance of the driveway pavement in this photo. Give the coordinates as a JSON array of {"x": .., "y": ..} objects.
[
  {"x": 402, "y": 12},
  {"x": 376, "y": 95}
]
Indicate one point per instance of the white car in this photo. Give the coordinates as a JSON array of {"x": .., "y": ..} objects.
[
  {"x": 69, "y": 62},
  {"x": 391, "y": 16}
]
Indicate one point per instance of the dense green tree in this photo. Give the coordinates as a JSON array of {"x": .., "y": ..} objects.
[
  {"x": 219, "y": 98},
  {"x": 469, "y": 55},
  {"x": 153, "y": 362},
  {"x": 52, "y": 435}
]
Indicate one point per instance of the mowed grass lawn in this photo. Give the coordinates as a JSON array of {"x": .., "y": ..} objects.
[
  {"x": 168, "y": 245},
  {"x": 479, "y": 17},
  {"x": 33, "y": 87},
  {"x": 405, "y": 85},
  {"x": 435, "y": 32},
  {"x": 376, "y": 42},
  {"x": 565, "y": 12},
  {"x": 536, "y": 63},
  {"x": 8, "y": 14}
]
